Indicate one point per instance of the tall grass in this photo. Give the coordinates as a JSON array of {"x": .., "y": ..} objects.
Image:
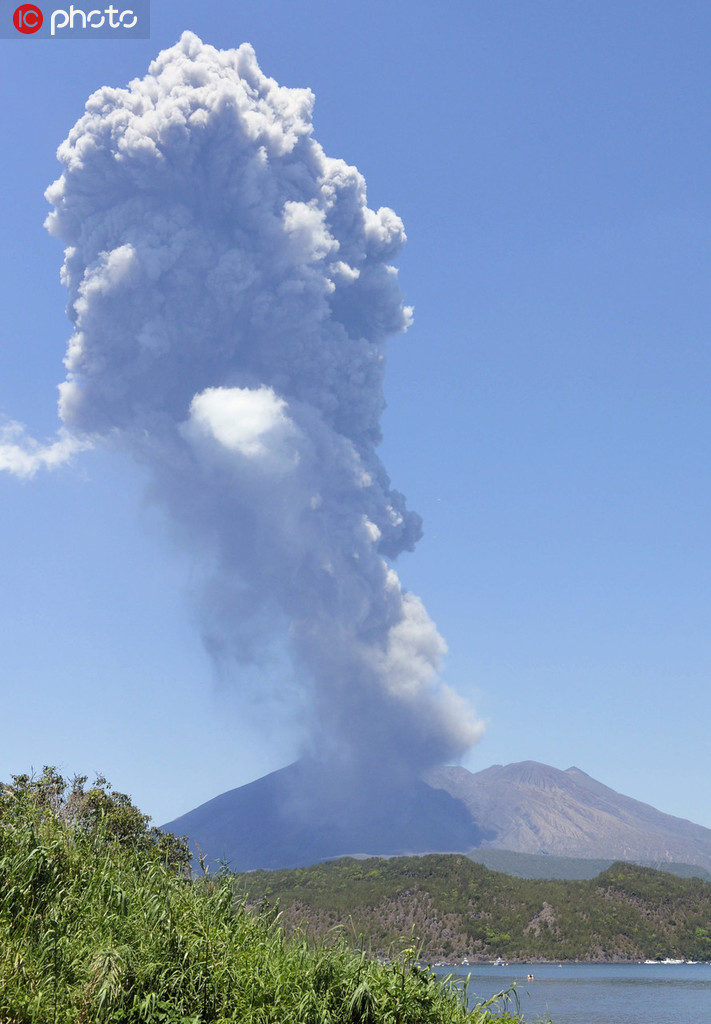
[{"x": 101, "y": 923}]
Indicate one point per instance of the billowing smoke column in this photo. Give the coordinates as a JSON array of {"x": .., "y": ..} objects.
[{"x": 231, "y": 295}]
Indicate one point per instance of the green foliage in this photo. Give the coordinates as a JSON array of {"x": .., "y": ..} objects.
[
  {"x": 101, "y": 923},
  {"x": 461, "y": 909}
]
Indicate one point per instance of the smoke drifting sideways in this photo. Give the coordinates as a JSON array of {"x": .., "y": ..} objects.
[{"x": 231, "y": 295}]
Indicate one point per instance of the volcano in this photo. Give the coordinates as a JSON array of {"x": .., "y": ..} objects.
[{"x": 291, "y": 819}]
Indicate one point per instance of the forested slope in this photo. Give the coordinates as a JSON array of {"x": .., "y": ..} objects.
[{"x": 461, "y": 909}]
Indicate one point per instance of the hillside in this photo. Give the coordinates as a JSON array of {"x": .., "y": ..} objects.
[
  {"x": 461, "y": 909},
  {"x": 295, "y": 817}
]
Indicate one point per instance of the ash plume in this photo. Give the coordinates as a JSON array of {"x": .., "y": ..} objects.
[{"x": 231, "y": 294}]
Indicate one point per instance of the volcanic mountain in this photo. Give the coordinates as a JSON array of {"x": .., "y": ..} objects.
[
  {"x": 282, "y": 821},
  {"x": 533, "y": 808}
]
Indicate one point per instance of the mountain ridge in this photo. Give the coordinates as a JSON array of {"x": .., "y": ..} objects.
[
  {"x": 534, "y": 808},
  {"x": 294, "y": 817}
]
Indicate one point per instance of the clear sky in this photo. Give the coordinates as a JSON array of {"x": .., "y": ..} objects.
[{"x": 548, "y": 411}]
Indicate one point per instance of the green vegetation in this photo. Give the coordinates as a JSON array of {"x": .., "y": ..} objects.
[
  {"x": 460, "y": 909},
  {"x": 101, "y": 922}
]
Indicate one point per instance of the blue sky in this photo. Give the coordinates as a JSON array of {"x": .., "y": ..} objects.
[{"x": 548, "y": 411}]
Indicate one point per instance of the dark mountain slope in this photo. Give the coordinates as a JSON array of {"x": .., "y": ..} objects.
[{"x": 281, "y": 821}]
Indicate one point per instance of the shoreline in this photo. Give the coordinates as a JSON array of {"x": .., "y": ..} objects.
[{"x": 538, "y": 961}]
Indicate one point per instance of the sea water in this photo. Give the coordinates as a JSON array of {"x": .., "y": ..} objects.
[{"x": 598, "y": 993}]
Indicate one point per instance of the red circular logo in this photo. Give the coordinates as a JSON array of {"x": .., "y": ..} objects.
[{"x": 27, "y": 18}]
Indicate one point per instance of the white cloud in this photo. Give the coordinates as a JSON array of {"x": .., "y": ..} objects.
[
  {"x": 22, "y": 456},
  {"x": 251, "y": 422}
]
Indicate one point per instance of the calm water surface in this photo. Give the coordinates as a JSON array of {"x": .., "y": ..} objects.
[{"x": 600, "y": 993}]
